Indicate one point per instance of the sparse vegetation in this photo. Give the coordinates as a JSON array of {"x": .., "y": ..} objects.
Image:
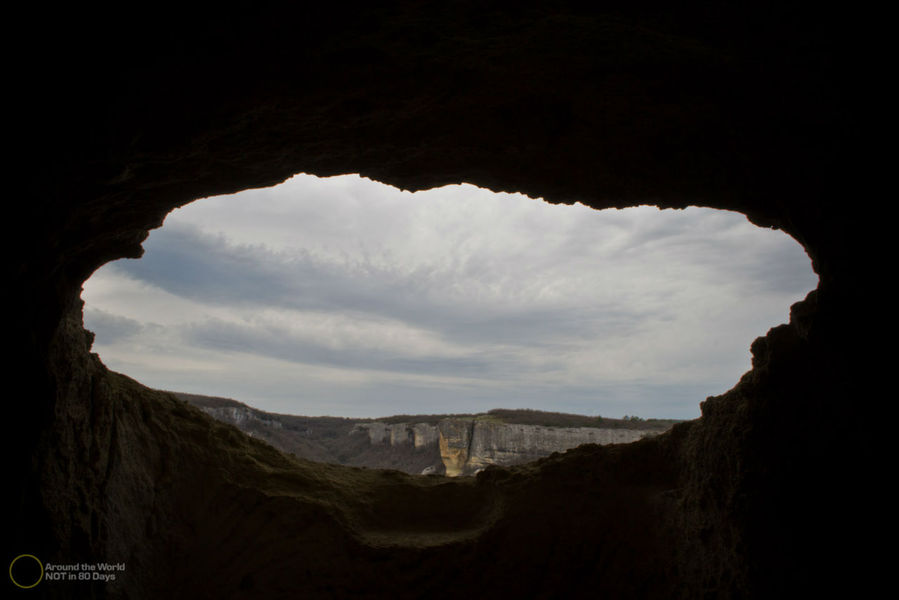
[
  {"x": 525, "y": 416},
  {"x": 528, "y": 416},
  {"x": 322, "y": 439},
  {"x": 335, "y": 426},
  {"x": 335, "y": 439}
]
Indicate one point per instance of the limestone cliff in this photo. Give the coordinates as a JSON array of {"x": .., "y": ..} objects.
[
  {"x": 469, "y": 445},
  {"x": 411, "y": 448},
  {"x": 456, "y": 445},
  {"x": 418, "y": 435},
  {"x": 241, "y": 416}
]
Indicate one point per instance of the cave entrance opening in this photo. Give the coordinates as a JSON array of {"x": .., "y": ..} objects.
[{"x": 345, "y": 297}]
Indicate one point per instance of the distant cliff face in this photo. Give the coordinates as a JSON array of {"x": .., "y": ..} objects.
[
  {"x": 241, "y": 416},
  {"x": 418, "y": 435},
  {"x": 469, "y": 445},
  {"x": 459, "y": 445},
  {"x": 411, "y": 448}
]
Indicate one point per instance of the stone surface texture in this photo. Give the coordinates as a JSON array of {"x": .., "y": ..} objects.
[
  {"x": 467, "y": 446},
  {"x": 417, "y": 435}
]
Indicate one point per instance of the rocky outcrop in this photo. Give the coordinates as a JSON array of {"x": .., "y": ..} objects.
[
  {"x": 453, "y": 446},
  {"x": 410, "y": 448},
  {"x": 241, "y": 416},
  {"x": 417, "y": 435},
  {"x": 469, "y": 445}
]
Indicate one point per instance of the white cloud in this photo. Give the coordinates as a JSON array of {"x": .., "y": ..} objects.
[{"x": 349, "y": 296}]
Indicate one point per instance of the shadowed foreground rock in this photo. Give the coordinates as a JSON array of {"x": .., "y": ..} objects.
[{"x": 769, "y": 494}]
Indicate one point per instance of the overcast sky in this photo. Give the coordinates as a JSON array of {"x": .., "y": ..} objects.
[{"x": 343, "y": 296}]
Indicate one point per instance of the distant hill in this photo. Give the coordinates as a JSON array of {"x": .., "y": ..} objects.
[
  {"x": 323, "y": 439},
  {"x": 527, "y": 416},
  {"x": 406, "y": 443}
]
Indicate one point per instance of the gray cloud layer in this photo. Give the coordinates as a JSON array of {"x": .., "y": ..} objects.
[
  {"x": 510, "y": 301},
  {"x": 207, "y": 269}
]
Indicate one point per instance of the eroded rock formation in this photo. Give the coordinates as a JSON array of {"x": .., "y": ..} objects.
[
  {"x": 417, "y": 435},
  {"x": 739, "y": 107},
  {"x": 454, "y": 446},
  {"x": 240, "y": 417},
  {"x": 467, "y": 446}
]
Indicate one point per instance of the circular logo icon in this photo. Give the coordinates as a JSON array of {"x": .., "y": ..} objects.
[{"x": 25, "y": 571}]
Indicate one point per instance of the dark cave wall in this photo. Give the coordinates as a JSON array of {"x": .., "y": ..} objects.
[{"x": 739, "y": 109}]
